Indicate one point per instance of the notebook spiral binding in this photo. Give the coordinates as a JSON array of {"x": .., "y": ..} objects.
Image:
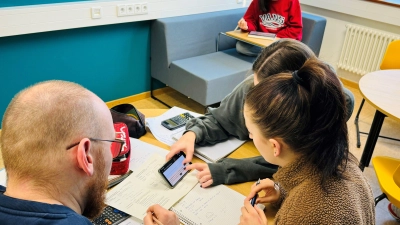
[{"x": 183, "y": 219}]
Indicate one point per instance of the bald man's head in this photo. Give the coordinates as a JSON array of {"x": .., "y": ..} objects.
[{"x": 42, "y": 120}]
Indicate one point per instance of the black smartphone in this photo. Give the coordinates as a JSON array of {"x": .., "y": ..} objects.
[
  {"x": 176, "y": 121},
  {"x": 173, "y": 171}
]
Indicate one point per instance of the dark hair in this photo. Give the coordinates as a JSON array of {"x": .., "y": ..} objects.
[
  {"x": 307, "y": 109},
  {"x": 283, "y": 55},
  {"x": 264, "y": 5}
]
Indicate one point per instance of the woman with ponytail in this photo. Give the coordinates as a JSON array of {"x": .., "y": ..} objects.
[
  {"x": 281, "y": 17},
  {"x": 297, "y": 120},
  {"x": 227, "y": 120}
]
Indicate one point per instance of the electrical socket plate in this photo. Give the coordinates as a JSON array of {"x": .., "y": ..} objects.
[
  {"x": 132, "y": 9},
  {"x": 239, "y": 1},
  {"x": 121, "y": 10},
  {"x": 144, "y": 8}
]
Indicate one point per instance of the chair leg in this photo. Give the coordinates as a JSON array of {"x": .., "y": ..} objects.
[
  {"x": 379, "y": 198},
  {"x": 153, "y": 96},
  {"x": 356, "y": 123},
  {"x": 358, "y": 132}
]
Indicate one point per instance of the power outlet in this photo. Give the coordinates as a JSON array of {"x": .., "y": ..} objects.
[
  {"x": 130, "y": 9},
  {"x": 144, "y": 8},
  {"x": 239, "y": 1},
  {"x": 121, "y": 10},
  {"x": 138, "y": 9}
]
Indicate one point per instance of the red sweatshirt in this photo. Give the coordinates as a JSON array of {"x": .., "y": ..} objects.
[{"x": 284, "y": 18}]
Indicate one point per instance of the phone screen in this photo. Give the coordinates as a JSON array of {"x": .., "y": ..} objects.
[{"x": 173, "y": 171}]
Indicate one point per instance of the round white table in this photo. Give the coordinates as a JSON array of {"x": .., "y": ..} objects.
[{"x": 382, "y": 90}]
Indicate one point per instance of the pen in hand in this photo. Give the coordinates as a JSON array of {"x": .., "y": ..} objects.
[
  {"x": 253, "y": 200},
  {"x": 157, "y": 221}
]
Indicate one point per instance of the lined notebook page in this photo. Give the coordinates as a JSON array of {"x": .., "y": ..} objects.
[{"x": 208, "y": 206}]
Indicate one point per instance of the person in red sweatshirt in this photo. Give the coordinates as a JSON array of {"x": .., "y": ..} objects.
[{"x": 282, "y": 17}]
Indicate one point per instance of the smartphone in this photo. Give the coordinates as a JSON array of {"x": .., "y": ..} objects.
[
  {"x": 176, "y": 121},
  {"x": 173, "y": 171}
]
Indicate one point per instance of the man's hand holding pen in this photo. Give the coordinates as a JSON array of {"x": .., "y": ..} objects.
[{"x": 157, "y": 215}]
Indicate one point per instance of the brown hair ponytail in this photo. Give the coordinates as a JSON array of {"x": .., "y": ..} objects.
[{"x": 306, "y": 108}]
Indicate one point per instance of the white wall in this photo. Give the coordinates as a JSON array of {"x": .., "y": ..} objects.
[
  {"x": 339, "y": 13},
  {"x": 40, "y": 18}
]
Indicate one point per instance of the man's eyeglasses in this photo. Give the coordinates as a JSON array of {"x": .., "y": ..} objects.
[{"x": 116, "y": 146}]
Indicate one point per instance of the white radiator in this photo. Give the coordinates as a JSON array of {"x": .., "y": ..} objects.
[{"x": 363, "y": 49}]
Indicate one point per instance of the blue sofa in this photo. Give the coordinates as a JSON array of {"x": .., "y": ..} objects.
[{"x": 184, "y": 56}]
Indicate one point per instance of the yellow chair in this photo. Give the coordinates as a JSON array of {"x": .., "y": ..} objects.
[
  {"x": 391, "y": 60},
  {"x": 387, "y": 170}
]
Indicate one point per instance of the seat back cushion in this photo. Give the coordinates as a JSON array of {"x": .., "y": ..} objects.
[{"x": 193, "y": 35}]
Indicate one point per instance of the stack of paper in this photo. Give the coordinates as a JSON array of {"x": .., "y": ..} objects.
[
  {"x": 209, "y": 154},
  {"x": 160, "y": 132}
]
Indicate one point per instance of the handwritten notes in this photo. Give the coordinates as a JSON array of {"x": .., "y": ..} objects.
[
  {"x": 145, "y": 187},
  {"x": 210, "y": 206}
]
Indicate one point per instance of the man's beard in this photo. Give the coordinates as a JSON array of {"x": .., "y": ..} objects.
[{"x": 96, "y": 189}]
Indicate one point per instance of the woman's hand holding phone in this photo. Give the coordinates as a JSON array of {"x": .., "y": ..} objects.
[
  {"x": 184, "y": 144},
  {"x": 204, "y": 174}
]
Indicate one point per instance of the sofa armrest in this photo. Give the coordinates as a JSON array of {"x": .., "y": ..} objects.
[{"x": 313, "y": 31}]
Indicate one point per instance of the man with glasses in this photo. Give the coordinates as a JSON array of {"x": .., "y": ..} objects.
[{"x": 56, "y": 143}]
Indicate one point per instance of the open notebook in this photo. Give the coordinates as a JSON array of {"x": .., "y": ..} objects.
[
  {"x": 210, "y": 206},
  {"x": 216, "y": 152}
]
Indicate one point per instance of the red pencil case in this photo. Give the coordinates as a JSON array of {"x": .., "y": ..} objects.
[{"x": 120, "y": 165}]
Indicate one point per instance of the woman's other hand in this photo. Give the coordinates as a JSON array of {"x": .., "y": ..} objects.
[
  {"x": 204, "y": 174},
  {"x": 272, "y": 193},
  {"x": 252, "y": 215}
]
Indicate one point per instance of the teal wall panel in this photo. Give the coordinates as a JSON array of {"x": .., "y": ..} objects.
[
  {"x": 113, "y": 61},
  {"x": 9, "y": 3}
]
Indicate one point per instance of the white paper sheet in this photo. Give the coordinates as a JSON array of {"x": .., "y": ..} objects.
[
  {"x": 3, "y": 177},
  {"x": 145, "y": 187},
  {"x": 160, "y": 132},
  {"x": 142, "y": 151}
]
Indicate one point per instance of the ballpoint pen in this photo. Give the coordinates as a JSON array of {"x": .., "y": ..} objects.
[
  {"x": 157, "y": 221},
  {"x": 253, "y": 200}
]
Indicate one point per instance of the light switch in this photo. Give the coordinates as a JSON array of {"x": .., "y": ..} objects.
[{"x": 96, "y": 12}]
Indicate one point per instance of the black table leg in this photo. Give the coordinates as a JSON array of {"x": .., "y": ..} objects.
[{"x": 371, "y": 140}]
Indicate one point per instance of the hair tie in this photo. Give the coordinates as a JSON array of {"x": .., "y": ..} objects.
[{"x": 297, "y": 79}]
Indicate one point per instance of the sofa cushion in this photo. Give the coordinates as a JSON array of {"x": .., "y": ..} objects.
[{"x": 215, "y": 74}]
